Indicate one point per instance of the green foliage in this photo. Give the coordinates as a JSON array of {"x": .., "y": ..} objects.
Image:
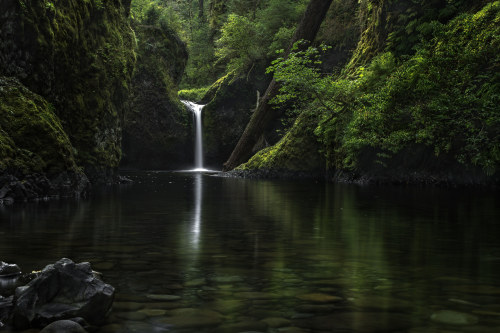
[
  {"x": 195, "y": 94},
  {"x": 444, "y": 98},
  {"x": 299, "y": 75},
  {"x": 417, "y": 21},
  {"x": 239, "y": 45}
]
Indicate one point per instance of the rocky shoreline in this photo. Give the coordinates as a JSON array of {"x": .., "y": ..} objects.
[
  {"x": 37, "y": 187},
  {"x": 394, "y": 178},
  {"x": 40, "y": 187},
  {"x": 63, "y": 297}
]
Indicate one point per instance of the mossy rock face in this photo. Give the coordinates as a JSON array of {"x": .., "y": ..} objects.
[
  {"x": 78, "y": 55},
  {"x": 36, "y": 156},
  {"x": 157, "y": 129},
  {"x": 31, "y": 136},
  {"x": 297, "y": 152},
  {"x": 231, "y": 102}
]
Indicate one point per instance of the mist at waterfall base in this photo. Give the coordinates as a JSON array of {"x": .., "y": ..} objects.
[{"x": 196, "y": 109}]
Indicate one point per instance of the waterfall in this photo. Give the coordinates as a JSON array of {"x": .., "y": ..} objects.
[{"x": 198, "y": 144}]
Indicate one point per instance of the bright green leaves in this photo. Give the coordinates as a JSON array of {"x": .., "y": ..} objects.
[{"x": 239, "y": 45}]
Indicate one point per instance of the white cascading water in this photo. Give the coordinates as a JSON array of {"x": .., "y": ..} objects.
[{"x": 198, "y": 144}]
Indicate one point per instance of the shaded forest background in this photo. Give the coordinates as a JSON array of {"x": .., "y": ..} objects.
[{"x": 388, "y": 90}]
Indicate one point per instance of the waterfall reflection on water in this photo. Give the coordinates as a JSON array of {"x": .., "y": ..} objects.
[{"x": 196, "y": 222}]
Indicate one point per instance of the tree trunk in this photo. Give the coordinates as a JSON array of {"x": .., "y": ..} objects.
[
  {"x": 264, "y": 115},
  {"x": 201, "y": 10}
]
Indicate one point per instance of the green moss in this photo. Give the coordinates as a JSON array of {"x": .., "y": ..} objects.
[
  {"x": 31, "y": 136},
  {"x": 195, "y": 94},
  {"x": 157, "y": 127},
  {"x": 435, "y": 113},
  {"x": 444, "y": 99},
  {"x": 298, "y": 150},
  {"x": 79, "y": 55}
]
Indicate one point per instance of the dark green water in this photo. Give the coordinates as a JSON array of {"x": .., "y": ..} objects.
[{"x": 196, "y": 253}]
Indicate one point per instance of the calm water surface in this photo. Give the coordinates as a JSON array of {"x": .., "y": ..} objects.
[{"x": 189, "y": 252}]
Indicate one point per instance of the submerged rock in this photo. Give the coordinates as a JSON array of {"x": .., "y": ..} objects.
[
  {"x": 61, "y": 291},
  {"x": 66, "y": 326},
  {"x": 454, "y": 318},
  {"x": 8, "y": 270},
  {"x": 192, "y": 318}
]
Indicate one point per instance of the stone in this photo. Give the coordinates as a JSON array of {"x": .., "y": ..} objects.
[
  {"x": 255, "y": 295},
  {"x": 475, "y": 289},
  {"x": 316, "y": 308},
  {"x": 61, "y": 291},
  {"x": 167, "y": 298},
  {"x": 134, "y": 316},
  {"x": 228, "y": 279},
  {"x": 195, "y": 283},
  {"x": 319, "y": 298},
  {"x": 275, "y": 322},
  {"x": 292, "y": 330},
  {"x": 8, "y": 270},
  {"x": 228, "y": 306},
  {"x": 192, "y": 318},
  {"x": 381, "y": 303},
  {"x": 63, "y": 326},
  {"x": 242, "y": 326},
  {"x": 454, "y": 318},
  {"x": 128, "y": 306},
  {"x": 165, "y": 305},
  {"x": 153, "y": 312},
  {"x": 359, "y": 322}
]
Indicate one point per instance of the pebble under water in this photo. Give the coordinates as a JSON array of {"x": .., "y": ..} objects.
[{"x": 192, "y": 252}]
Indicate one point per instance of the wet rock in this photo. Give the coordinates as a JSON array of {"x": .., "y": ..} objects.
[
  {"x": 319, "y": 298},
  {"x": 475, "y": 289},
  {"x": 153, "y": 312},
  {"x": 275, "y": 322},
  {"x": 228, "y": 279},
  {"x": 316, "y": 308},
  {"x": 292, "y": 330},
  {"x": 192, "y": 318},
  {"x": 195, "y": 283},
  {"x": 381, "y": 303},
  {"x": 135, "y": 316},
  {"x": 128, "y": 306},
  {"x": 61, "y": 291},
  {"x": 63, "y": 326},
  {"x": 359, "y": 322},
  {"x": 454, "y": 318},
  {"x": 5, "y": 307},
  {"x": 7, "y": 270},
  {"x": 243, "y": 326},
  {"x": 228, "y": 306},
  {"x": 167, "y": 298},
  {"x": 165, "y": 305},
  {"x": 112, "y": 328},
  {"x": 255, "y": 295}
]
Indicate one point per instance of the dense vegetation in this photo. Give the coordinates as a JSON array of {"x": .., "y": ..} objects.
[
  {"x": 425, "y": 110},
  {"x": 389, "y": 90}
]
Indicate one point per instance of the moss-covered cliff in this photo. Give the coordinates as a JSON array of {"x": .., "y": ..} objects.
[
  {"x": 78, "y": 55},
  {"x": 427, "y": 112},
  {"x": 230, "y": 102},
  {"x": 34, "y": 144},
  {"x": 157, "y": 127}
]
